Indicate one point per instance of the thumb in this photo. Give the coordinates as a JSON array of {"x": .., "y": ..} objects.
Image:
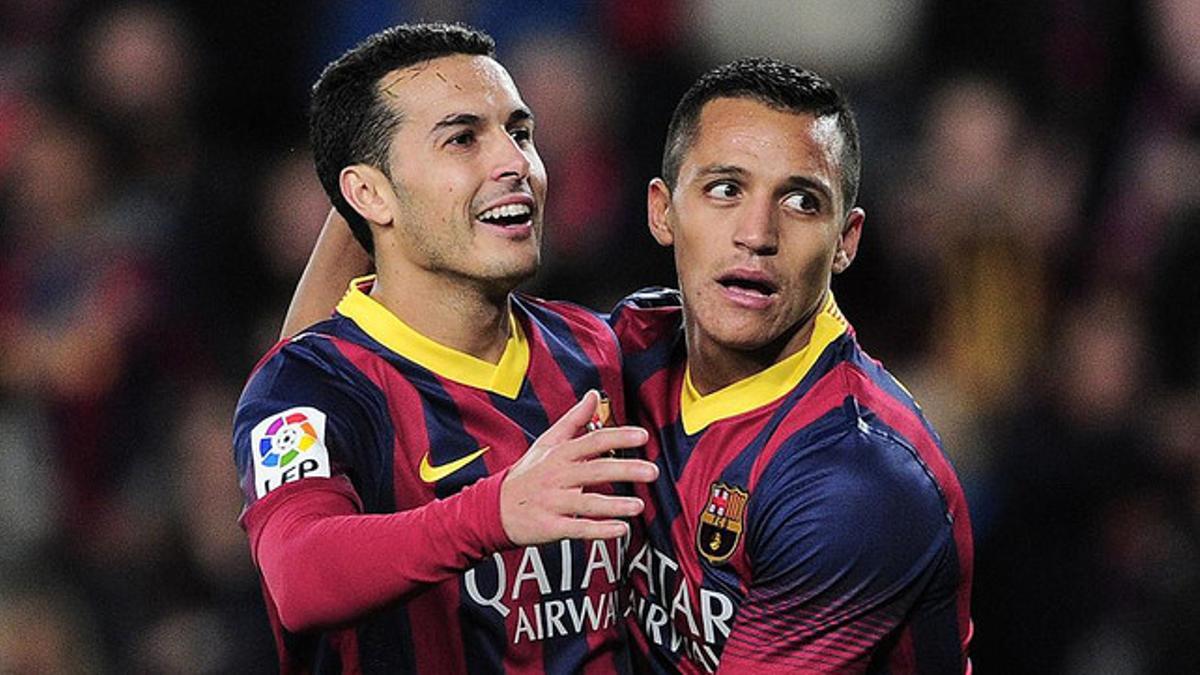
[{"x": 568, "y": 426}]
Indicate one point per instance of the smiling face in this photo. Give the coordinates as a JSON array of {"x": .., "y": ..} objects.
[
  {"x": 759, "y": 226},
  {"x": 466, "y": 189}
]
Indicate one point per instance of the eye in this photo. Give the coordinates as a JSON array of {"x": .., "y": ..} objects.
[
  {"x": 462, "y": 139},
  {"x": 522, "y": 135},
  {"x": 803, "y": 202},
  {"x": 723, "y": 190}
]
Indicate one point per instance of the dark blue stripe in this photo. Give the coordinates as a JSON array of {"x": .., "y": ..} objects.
[
  {"x": 572, "y": 360},
  {"x": 637, "y": 367},
  {"x": 385, "y": 643},
  {"x": 561, "y": 654}
]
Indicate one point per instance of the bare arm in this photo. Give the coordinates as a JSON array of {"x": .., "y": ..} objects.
[{"x": 336, "y": 259}]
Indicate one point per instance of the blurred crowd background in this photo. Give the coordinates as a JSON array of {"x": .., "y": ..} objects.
[{"x": 1030, "y": 268}]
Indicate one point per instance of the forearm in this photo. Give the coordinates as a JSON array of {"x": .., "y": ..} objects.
[
  {"x": 326, "y": 564},
  {"x": 336, "y": 259}
]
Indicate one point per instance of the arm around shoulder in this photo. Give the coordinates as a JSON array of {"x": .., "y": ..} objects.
[{"x": 336, "y": 259}]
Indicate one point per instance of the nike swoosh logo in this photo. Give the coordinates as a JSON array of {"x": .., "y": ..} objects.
[{"x": 432, "y": 474}]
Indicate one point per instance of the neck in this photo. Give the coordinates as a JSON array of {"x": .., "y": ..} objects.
[
  {"x": 713, "y": 366},
  {"x": 458, "y": 315}
]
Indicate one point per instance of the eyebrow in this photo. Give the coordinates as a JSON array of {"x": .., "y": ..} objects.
[
  {"x": 519, "y": 115},
  {"x": 794, "y": 182},
  {"x": 721, "y": 170},
  {"x": 474, "y": 120},
  {"x": 457, "y": 120}
]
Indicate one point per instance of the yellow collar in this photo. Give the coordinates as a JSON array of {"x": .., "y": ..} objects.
[
  {"x": 504, "y": 378},
  {"x": 698, "y": 411}
]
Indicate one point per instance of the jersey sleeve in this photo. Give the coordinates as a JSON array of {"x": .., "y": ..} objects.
[
  {"x": 297, "y": 420},
  {"x": 644, "y": 318},
  {"x": 847, "y": 538},
  {"x": 303, "y": 437}
]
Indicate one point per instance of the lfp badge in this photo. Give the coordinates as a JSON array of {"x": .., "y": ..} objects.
[
  {"x": 287, "y": 447},
  {"x": 721, "y": 522}
]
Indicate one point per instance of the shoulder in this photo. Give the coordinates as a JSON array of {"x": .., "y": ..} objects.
[
  {"x": 559, "y": 314},
  {"x": 647, "y": 317},
  {"x": 848, "y": 490},
  {"x": 566, "y": 323},
  {"x": 314, "y": 368},
  {"x": 653, "y": 297},
  {"x": 307, "y": 411},
  {"x": 879, "y": 388},
  {"x": 312, "y": 355}
]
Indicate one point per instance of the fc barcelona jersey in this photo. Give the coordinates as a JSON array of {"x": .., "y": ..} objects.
[
  {"x": 805, "y": 518},
  {"x": 364, "y": 402}
]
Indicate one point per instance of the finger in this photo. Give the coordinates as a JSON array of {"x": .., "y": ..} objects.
[
  {"x": 582, "y": 528},
  {"x": 568, "y": 426},
  {"x": 603, "y": 440},
  {"x": 611, "y": 471},
  {"x": 602, "y": 415},
  {"x": 597, "y": 506}
]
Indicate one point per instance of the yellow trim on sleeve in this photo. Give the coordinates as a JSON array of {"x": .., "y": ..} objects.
[
  {"x": 504, "y": 378},
  {"x": 697, "y": 411}
]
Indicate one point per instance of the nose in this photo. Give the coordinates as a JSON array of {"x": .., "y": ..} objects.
[
  {"x": 756, "y": 229},
  {"x": 511, "y": 160}
]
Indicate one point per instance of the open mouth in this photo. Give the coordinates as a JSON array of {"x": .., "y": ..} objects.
[
  {"x": 507, "y": 215},
  {"x": 752, "y": 286}
]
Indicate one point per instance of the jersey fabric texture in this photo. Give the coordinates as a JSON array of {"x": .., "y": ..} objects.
[
  {"x": 362, "y": 415},
  {"x": 805, "y": 518}
]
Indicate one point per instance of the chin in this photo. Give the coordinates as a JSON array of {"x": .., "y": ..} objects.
[
  {"x": 513, "y": 274},
  {"x": 740, "y": 337}
]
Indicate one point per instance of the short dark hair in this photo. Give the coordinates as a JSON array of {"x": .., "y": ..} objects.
[
  {"x": 351, "y": 123},
  {"x": 773, "y": 83}
]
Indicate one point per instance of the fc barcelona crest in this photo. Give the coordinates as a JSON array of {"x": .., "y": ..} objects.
[{"x": 721, "y": 522}]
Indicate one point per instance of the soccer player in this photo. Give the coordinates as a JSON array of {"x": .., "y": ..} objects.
[
  {"x": 806, "y": 519},
  {"x": 398, "y": 521}
]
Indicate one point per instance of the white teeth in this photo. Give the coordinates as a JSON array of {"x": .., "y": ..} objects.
[{"x": 506, "y": 211}]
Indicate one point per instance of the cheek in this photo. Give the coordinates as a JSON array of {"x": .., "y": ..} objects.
[
  {"x": 695, "y": 271},
  {"x": 537, "y": 174}
]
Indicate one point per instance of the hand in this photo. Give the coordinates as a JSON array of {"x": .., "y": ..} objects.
[{"x": 542, "y": 498}]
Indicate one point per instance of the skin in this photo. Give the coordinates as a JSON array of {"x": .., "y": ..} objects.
[
  {"x": 759, "y": 226},
  {"x": 465, "y": 145}
]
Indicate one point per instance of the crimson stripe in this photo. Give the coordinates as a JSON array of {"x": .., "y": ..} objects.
[
  {"x": 551, "y": 387},
  {"x": 593, "y": 337},
  {"x": 346, "y": 643},
  {"x": 828, "y": 393},
  {"x": 429, "y": 638},
  {"x": 848, "y": 639},
  {"x": 781, "y": 657},
  {"x": 707, "y": 460},
  {"x": 903, "y": 657},
  {"x": 865, "y": 619},
  {"x": 639, "y": 327},
  {"x": 850, "y": 628},
  {"x": 655, "y": 388}
]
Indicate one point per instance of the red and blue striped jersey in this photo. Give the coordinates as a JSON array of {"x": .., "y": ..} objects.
[
  {"x": 805, "y": 518},
  {"x": 363, "y": 406}
]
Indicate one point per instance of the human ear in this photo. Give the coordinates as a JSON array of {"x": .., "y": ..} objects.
[
  {"x": 658, "y": 208},
  {"x": 848, "y": 240},
  {"x": 367, "y": 191}
]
